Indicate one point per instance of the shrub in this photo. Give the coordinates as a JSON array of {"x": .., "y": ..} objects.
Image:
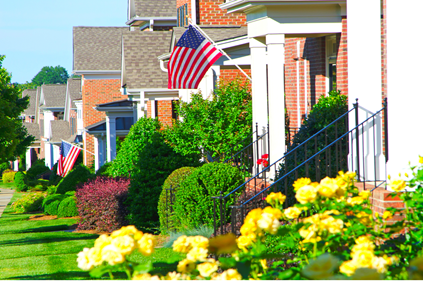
[
  {"x": 138, "y": 137},
  {"x": 51, "y": 203},
  {"x": 8, "y": 176},
  {"x": 28, "y": 203},
  {"x": 67, "y": 207},
  {"x": 51, "y": 190},
  {"x": 75, "y": 177},
  {"x": 103, "y": 170},
  {"x": 193, "y": 205},
  {"x": 4, "y": 166},
  {"x": 54, "y": 179},
  {"x": 100, "y": 204},
  {"x": 36, "y": 170},
  {"x": 21, "y": 181},
  {"x": 167, "y": 220},
  {"x": 155, "y": 163}
]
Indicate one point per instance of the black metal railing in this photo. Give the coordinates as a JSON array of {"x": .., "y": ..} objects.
[
  {"x": 339, "y": 148},
  {"x": 170, "y": 200}
]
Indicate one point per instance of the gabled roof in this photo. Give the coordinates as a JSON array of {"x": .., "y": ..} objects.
[
  {"x": 215, "y": 32},
  {"x": 120, "y": 103},
  {"x": 60, "y": 130},
  {"x": 155, "y": 8},
  {"x": 53, "y": 95},
  {"x": 42, "y": 127},
  {"x": 33, "y": 129},
  {"x": 97, "y": 48},
  {"x": 141, "y": 49},
  {"x": 74, "y": 88},
  {"x": 32, "y": 93}
]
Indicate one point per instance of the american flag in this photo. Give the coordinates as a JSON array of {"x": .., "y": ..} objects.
[
  {"x": 67, "y": 158},
  {"x": 191, "y": 58}
]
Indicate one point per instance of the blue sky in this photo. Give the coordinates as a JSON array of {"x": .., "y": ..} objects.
[{"x": 38, "y": 33}]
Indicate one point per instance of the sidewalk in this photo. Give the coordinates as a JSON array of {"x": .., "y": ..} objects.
[{"x": 5, "y": 196}]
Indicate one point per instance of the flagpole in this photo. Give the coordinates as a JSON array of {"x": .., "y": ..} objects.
[
  {"x": 217, "y": 47},
  {"x": 78, "y": 147}
]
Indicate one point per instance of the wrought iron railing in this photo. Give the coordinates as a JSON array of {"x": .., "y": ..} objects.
[
  {"x": 170, "y": 200},
  {"x": 327, "y": 161}
]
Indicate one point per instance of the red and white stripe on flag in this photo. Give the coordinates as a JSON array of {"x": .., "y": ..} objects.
[
  {"x": 67, "y": 158},
  {"x": 191, "y": 58}
]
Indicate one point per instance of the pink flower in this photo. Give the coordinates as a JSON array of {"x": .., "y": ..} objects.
[
  {"x": 265, "y": 156},
  {"x": 259, "y": 161}
]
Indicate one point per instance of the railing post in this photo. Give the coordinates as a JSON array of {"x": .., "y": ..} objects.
[
  {"x": 385, "y": 117},
  {"x": 356, "y": 138},
  {"x": 268, "y": 141},
  {"x": 222, "y": 212},
  {"x": 214, "y": 215},
  {"x": 257, "y": 149}
]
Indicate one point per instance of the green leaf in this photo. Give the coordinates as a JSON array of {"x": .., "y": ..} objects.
[
  {"x": 144, "y": 267},
  {"x": 227, "y": 262},
  {"x": 99, "y": 271},
  {"x": 244, "y": 268}
]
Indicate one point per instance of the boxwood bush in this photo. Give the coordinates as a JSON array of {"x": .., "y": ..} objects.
[
  {"x": 155, "y": 163},
  {"x": 51, "y": 203},
  {"x": 8, "y": 176},
  {"x": 67, "y": 207},
  {"x": 167, "y": 219},
  {"x": 54, "y": 179},
  {"x": 75, "y": 177},
  {"x": 21, "y": 181},
  {"x": 101, "y": 205},
  {"x": 28, "y": 203},
  {"x": 35, "y": 170},
  {"x": 194, "y": 206}
]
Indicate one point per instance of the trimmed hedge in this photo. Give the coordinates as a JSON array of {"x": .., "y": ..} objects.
[
  {"x": 100, "y": 204},
  {"x": 54, "y": 179},
  {"x": 51, "y": 203},
  {"x": 67, "y": 207},
  {"x": 103, "y": 170},
  {"x": 28, "y": 203},
  {"x": 194, "y": 206},
  {"x": 35, "y": 170},
  {"x": 167, "y": 219},
  {"x": 79, "y": 175},
  {"x": 21, "y": 181},
  {"x": 8, "y": 176}
]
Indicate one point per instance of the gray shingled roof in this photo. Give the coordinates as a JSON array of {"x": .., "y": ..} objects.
[
  {"x": 60, "y": 130},
  {"x": 42, "y": 127},
  {"x": 155, "y": 8},
  {"x": 217, "y": 33},
  {"x": 74, "y": 88},
  {"x": 33, "y": 129},
  {"x": 32, "y": 93},
  {"x": 54, "y": 95},
  {"x": 141, "y": 49},
  {"x": 97, "y": 48}
]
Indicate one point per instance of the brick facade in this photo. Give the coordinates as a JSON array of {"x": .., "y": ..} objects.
[
  {"x": 94, "y": 92},
  {"x": 164, "y": 111},
  {"x": 232, "y": 74},
  {"x": 342, "y": 60}
]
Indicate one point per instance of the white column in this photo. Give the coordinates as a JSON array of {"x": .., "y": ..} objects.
[
  {"x": 365, "y": 81},
  {"x": 153, "y": 108},
  {"x": 47, "y": 155},
  {"x": 405, "y": 97},
  {"x": 96, "y": 153},
  {"x": 28, "y": 158},
  {"x": 111, "y": 138},
  {"x": 259, "y": 82},
  {"x": 102, "y": 149},
  {"x": 276, "y": 84},
  {"x": 48, "y": 117}
]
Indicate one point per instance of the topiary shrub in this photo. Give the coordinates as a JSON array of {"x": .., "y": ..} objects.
[
  {"x": 54, "y": 179},
  {"x": 8, "y": 176},
  {"x": 167, "y": 220},
  {"x": 155, "y": 163},
  {"x": 21, "y": 181},
  {"x": 35, "y": 170},
  {"x": 67, "y": 207},
  {"x": 193, "y": 205},
  {"x": 103, "y": 170},
  {"x": 51, "y": 190},
  {"x": 138, "y": 137},
  {"x": 28, "y": 203},
  {"x": 101, "y": 205},
  {"x": 51, "y": 203},
  {"x": 75, "y": 177}
]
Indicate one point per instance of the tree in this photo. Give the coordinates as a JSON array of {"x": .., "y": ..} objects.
[
  {"x": 51, "y": 75},
  {"x": 213, "y": 127},
  {"x": 14, "y": 138}
]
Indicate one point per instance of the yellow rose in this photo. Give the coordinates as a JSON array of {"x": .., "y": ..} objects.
[
  {"x": 269, "y": 223},
  {"x": 253, "y": 215},
  {"x": 367, "y": 274},
  {"x": 83, "y": 260},
  {"x": 185, "y": 266},
  {"x": 348, "y": 267},
  {"x": 146, "y": 244},
  {"x": 125, "y": 244},
  {"x": 420, "y": 159},
  {"x": 351, "y": 175},
  {"x": 397, "y": 185},
  {"x": 206, "y": 269},
  {"x": 276, "y": 198},
  {"x": 380, "y": 264},
  {"x": 173, "y": 276},
  {"x": 249, "y": 228},
  {"x": 321, "y": 268},
  {"x": 198, "y": 242},
  {"x": 387, "y": 215},
  {"x": 125, "y": 230},
  {"x": 112, "y": 255},
  {"x": 230, "y": 274},
  {"x": 182, "y": 244},
  {"x": 306, "y": 194},
  {"x": 145, "y": 276},
  {"x": 364, "y": 194},
  {"x": 292, "y": 212},
  {"x": 308, "y": 233},
  {"x": 332, "y": 225},
  {"x": 300, "y": 182},
  {"x": 363, "y": 258},
  {"x": 363, "y": 239},
  {"x": 364, "y": 217},
  {"x": 102, "y": 241},
  {"x": 277, "y": 213},
  {"x": 328, "y": 187},
  {"x": 196, "y": 254},
  {"x": 244, "y": 241},
  {"x": 95, "y": 256},
  {"x": 355, "y": 201},
  {"x": 263, "y": 263}
]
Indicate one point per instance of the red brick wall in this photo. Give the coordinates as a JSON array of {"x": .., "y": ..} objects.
[
  {"x": 164, "y": 108},
  {"x": 227, "y": 75},
  {"x": 384, "y": 58},
  {"x": 211, "y": 14},
  {"x": 342, "y": 60},
  {"x": 97, "y": 91}
]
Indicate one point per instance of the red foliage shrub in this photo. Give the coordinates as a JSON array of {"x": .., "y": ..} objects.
[{"x": 100, "y": 204}]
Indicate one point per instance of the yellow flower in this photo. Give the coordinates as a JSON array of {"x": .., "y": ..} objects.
[
  {"x": 102, "y": 241},
  {"x": 145, "y": 276},
  {"x": 328, "y": 187},
  {"x": 198, "y": 242},
  {"x": 182, "y": 244},
  {"x": 146, "y": 244},
  {"x": 397, "y": 185},
  {"x": 173, "y": 276},
  {"x": 366, "y": 274},
  {"x": 350, "y": 175},
  {"x": 185, "y": 266},
  {"x": 364, "y": 194},
  {"x": 300, "y": 182},
  {"x": 363, "y": 258},
  {"x": 391, "y": 260},
  {"x": 206, "y": 269},
  {"x": 292, "y": 212},
  {"x": 306, "y": 194},
  {"x": 276, "y": 198},
  {"x": 263, "y": 263},
  {"x": 95, "y": 256},
  {"x": 420, "y": 159},
  {"x": 224, "y": 244},
  {"x": 112, "y": 255},
  {"x": 355, "y": 201},
  {"x": 380, "y": 264},
  {"x": 244, "y": 241},
  {"x": 332, "y": 225},
  {"x": 363, "y": 239},
  {"x": 253, "y": 215},
  {"x": 269, "y": 223},
  {"x": 230, "y": 274},
  {"x": 387, "y": 215},
  {"x": 321, "y": 268},
  {"x": 125, "y": 244},
  {"x": 274, "y": 212},
  {"x": 249, "y": 228},
  {"x": 125, "y": 230},
  {"x": 364, "y": 217},
  {"x": 308, "y": 233},
  {"x": 348, "y": 267},
  {"x": 196, "y": 254},
  {"x": 83, "y": 260}
]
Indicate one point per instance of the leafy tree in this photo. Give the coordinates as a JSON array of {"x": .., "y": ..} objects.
[
  {"x": 213, "y": 127},
  {"x": 51, "y": 75},
  {"x": 14, "y": 138}
]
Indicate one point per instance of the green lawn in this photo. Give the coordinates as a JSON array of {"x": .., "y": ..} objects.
[
  {"x": 45, "y": 250},
  {"x": 10, "y": 185}
]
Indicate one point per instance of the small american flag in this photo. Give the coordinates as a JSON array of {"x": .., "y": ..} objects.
[
  {"x": 67, "y": 158},
  {"x": 191, "y": 58}
]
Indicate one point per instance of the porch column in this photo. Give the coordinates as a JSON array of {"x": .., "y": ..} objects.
[
  {"x": 111, "y": 138},
  {"x": 28, "y": 158},
  {"x": 96, "y": 154},
  {"x": 276, "y": 84},
  {"x": 259, "y": 83},
  {"x": 365, "y": 83}
]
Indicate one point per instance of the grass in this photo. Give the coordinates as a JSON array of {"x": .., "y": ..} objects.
[
  {"x": 45, "y": 249},
  {"x": 10, "y": 185}
]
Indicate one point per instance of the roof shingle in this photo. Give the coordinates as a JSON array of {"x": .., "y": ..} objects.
[
  {"x": 32, "y": 93},
  {"x": 155, "y": 9},
  {"x": 60, "y": 130},
  {"x": 33, "y": 129},
  {"x": 54, "y": 95},
  {"x": 74, "y": 88},
  {"x": 217, "y": 33}
]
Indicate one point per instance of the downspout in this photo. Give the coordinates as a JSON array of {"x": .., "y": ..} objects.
[{"x": 298, "y": 86}]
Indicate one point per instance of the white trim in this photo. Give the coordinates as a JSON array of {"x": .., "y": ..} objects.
[
  {"x": 114, "y": 109},
  {"x": 194, "y": 11},
  {"x": 84, "y": 72},
  {"x": 233, "y": 42}
]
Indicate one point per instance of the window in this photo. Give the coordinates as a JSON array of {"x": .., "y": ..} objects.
[{"x": 124, "y": 123}]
